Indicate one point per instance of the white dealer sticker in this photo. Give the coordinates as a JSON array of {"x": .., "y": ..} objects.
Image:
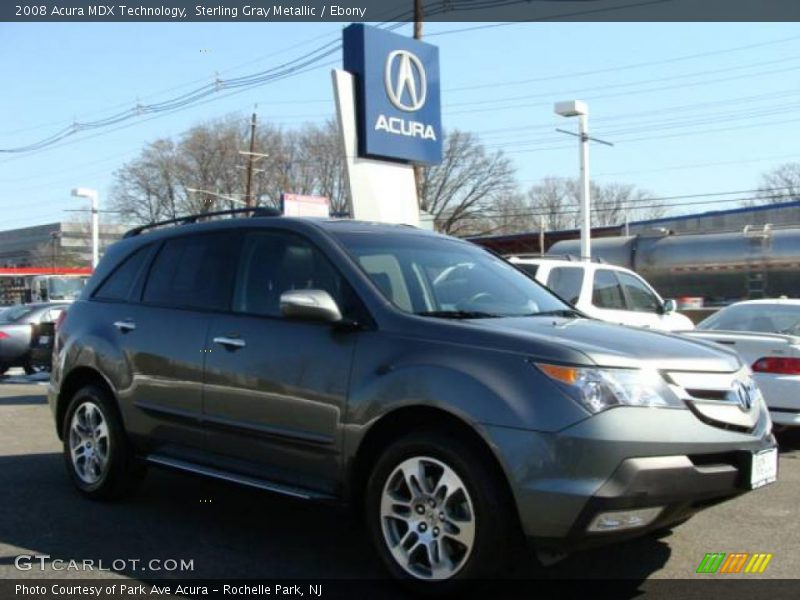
[{"x": 764, "y": 468}]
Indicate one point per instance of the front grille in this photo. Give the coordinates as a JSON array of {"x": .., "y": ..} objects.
[
  {"x": 708, "y": 394},
  {"x": 718, "y": 399}
]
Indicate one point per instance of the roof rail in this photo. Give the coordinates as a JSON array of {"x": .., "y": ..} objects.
[
  {"x": 257, "y": 211},
  {"x": 567, "y": 257}
]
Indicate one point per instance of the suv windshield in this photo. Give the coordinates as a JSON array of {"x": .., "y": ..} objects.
[{"x": 436, "y": 276}]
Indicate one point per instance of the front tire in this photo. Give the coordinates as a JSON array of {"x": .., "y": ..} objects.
[
  {"x": 97, "y": 453},
  {"x": 437, "y": 512}
]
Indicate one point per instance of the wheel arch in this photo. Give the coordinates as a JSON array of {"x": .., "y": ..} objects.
[
  {"x": 409, "y": 419},
  {"x": 75, "y": 380}
]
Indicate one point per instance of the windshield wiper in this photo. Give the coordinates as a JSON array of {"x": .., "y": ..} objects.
[
  {"x": 457, "y": 314},
  {"x": 562, "y": 312}
]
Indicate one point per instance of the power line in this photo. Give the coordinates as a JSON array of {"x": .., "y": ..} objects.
[
  {"x": 624, "y": 67},
  {"x": 542, "y": 213},
  {"x": 279, "y": 72}
]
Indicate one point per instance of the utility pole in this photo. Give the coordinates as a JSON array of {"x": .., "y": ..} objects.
[
  {"x": 418, "y": 172},
  {"x": 248, "y": 199}
]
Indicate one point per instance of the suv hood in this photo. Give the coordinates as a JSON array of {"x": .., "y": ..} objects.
[{"x": 610, "y": 345}]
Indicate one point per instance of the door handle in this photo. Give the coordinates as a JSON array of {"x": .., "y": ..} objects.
[
  {"x": 125, "y": 326},
  {"x": 230, "y": 342}
]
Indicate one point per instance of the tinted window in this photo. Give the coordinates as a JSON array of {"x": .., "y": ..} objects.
[
  {"x": 273, "y": 262},
  {"x": 192, "y": 272},
  {"x": 640, "y": 296},
  {"x": 566, "y": 282},
  {"x": 606, "y": 291},
  {"x": 759, "y": 317},
  {"x": 118, "y": 285},
  {"x": 424, "y": 274},
  {"x": 527, "y": 268}
]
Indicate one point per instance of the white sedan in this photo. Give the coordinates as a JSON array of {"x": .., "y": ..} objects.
[{"x": 766, "y": 334}]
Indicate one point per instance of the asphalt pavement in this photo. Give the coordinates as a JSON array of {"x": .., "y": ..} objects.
[{"x": 231, "y": 532}]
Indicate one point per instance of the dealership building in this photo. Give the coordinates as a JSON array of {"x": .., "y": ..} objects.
[{"x": 54, "y": 244}]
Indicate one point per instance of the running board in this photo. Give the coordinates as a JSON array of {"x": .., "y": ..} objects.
[{"x": 278, "y": 488}]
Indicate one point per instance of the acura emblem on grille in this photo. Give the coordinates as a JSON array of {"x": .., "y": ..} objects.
[{"x": 743, "y": 395}]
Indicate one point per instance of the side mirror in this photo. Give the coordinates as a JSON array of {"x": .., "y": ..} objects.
[
  {"x": 310, "y": 305},
  {"x": 669, "y": 306}
]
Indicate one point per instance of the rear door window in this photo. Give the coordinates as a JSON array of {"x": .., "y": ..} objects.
[
  {"x": 193, "y": 272},
  {"x": 566, "y": 282},
  {"x": 606, "y": 291},
  {"x": 118, "y": 285}
]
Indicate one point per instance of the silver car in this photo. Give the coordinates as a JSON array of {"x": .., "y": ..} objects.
[
  {"x": 17, "y": 326},
  {"x": 766, "y": 334}
]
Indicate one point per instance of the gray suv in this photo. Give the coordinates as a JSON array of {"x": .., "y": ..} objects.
[{"x": 451, "y": 399}]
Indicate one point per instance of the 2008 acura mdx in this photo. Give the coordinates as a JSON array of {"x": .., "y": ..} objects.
[{"x": 417, "y": 376}]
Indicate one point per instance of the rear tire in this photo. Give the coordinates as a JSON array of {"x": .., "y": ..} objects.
[
  {"x": 97, "y": 452},
  {"x": 29, "y": 369},
  {"x": 437, "y": 512}
]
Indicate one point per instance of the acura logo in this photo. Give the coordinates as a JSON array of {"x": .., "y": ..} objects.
[
  {"x": 406, "y": 84},
  {"x": 743, "y": 395}
]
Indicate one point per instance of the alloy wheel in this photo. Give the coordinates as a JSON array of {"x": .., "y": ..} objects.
[
  {"x": 427, "y": 518},
  {"x": 89, "y": 443}
]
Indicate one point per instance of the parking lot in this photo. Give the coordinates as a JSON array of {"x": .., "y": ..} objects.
[{"x": 231, "y": 532}]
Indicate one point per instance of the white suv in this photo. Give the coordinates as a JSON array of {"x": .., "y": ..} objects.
[{"x": 605, "y": 292}]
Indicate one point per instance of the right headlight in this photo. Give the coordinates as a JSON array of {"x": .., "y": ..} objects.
[{"x": 598, "y": 388}]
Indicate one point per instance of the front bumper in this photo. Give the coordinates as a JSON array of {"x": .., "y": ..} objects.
[{"x": 623, "y": 458}]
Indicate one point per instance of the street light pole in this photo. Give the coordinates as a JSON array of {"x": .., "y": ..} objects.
[
  {"x": 92, "y": 195},
  {"x": 576, "y": 108},
  {"x": 586, "y": 218}
]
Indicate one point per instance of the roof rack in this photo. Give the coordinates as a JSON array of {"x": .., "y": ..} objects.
[{"x": 257, "y": 211}]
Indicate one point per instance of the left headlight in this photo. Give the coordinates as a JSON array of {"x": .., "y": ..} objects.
[{"x": 599, "y": 388}]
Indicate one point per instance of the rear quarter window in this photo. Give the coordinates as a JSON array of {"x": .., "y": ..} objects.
[{"x": 119, "y": 284}]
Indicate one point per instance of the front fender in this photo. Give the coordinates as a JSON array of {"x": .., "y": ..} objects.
[{"x": 481, "y": 386}]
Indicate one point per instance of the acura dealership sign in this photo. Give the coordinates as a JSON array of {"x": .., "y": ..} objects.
[{"x": 398, "y": 103}]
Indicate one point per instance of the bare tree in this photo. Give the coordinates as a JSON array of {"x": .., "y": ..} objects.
[
  {"x": 208, "y": 157},
  {"x": 468, "y": 182},
  {"x": 552, "y": 199},
  {"x": 781, "y": 184},
  {"x": 145, "y": 189},
  {"x": 612, "y": 202},
  {"x": 156, "y": 184},
  {"x": 511, "y": 214},
  {"x": 558, "y": 200}
]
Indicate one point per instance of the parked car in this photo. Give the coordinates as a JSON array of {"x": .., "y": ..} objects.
[
  {"x": 418, "y": 378},
  {"x": 17, "y": 326},
  {"x": 766, "y": 334},
  {"x": 605, "y": 292}
]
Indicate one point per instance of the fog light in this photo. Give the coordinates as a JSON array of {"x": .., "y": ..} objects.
[{"x": 617, "y": 520}]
